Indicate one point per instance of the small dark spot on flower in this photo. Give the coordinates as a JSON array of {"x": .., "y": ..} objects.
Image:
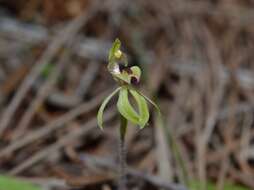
[
  {"x": 128, "y": 70},
  {"x": 121, "y": 67},
  {"x": 124, "y": 68},
  {"x": 134, "y": 80}
]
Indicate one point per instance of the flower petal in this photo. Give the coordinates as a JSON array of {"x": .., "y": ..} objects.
[
  {"x": 142, "y": 108},
  {"x": 125, "y": 108},
  {"x": 103, "y": 105}
]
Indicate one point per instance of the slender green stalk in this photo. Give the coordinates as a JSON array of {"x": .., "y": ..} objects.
[{"x": 122, "y": 154}]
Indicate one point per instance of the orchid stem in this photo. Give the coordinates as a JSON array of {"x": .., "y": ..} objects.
[{"x": 122, "y": 154}]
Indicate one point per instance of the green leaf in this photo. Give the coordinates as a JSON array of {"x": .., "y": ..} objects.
[
  {"x": 116, "y": 46},
  {"x": 142, "y": 107},
  {"x": 125, "y": 108},
  {"x": 103, "y": 105},
  {"x": 11, "y": 183}
]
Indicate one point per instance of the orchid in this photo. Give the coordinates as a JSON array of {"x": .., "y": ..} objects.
[{"x": 126, "y": 77}]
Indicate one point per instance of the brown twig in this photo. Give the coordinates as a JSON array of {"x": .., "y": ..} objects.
[
  {"x": 65, "y": 35},
  {"x": 87, "y": 78},
  {"x": 105, "y": 163},
  {"x": 43, "y": 92},
  {"x": 54, "y": 125},
  {"x": 61, "y": 143}
]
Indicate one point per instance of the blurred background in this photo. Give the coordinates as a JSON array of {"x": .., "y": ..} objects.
[{"x": 197, "y": 61}]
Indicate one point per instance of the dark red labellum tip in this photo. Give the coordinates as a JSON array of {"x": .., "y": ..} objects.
[{"x": 134, "y": 80}]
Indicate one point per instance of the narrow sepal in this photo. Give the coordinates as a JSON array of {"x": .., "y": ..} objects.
[{"x": 103, "y": 105}]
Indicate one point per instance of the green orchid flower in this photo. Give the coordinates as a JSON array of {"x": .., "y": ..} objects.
[{"x": 126, "y": 77}]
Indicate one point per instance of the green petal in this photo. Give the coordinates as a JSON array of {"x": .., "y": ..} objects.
[
  {"x": 116, "y": 46},
  {"x": 103, "y": 105},
  {"x": 142, "y": 107},
  {"x": 125, "y": 108}
]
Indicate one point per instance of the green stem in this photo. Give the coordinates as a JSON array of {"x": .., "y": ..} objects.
[{"x": 122, "y": 154}]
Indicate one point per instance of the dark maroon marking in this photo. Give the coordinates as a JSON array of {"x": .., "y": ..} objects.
[
  {"x": 121, "y": 67},
  {"x": 128, "y": 70},
  {"x": 134, "y": 80},
  {"x": 124, "y": 68}
]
